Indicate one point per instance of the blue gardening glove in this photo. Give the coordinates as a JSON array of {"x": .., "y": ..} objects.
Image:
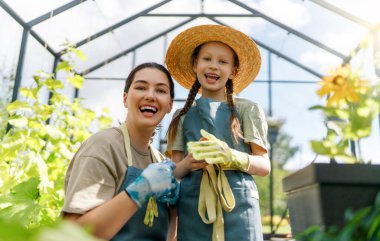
[
  {"x": 215, "y": 151},
  {"x": 156, "y": 180},
  {"x": 172, "y": 195}
]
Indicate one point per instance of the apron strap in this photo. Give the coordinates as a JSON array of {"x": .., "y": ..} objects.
[
  {"x": 127, "y": 143},
  {"x": 152, "y": 209},
  {"x": 215, "y": 196}
]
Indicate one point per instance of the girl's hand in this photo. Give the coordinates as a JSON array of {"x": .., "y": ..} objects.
[
  {"x": 187, "y": 165},
  {"x": 193, "y": 164}
]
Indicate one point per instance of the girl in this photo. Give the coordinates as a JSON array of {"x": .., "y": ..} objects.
[
  {"x": 110, "y": 178},
  {"x": 217, "y": 61}
]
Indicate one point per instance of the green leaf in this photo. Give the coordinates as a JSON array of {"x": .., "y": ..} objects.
[
  {"x": 24, "y": 199},
  {"x": 14, "y": 231},
  {"x": 80, "y": 54},
  {"x": 76, "y": 81},
  {"x": 18, "y": 121},
  {"x": 53, "y": 84},
  {"x": 317, "y": 107},
  {"x": 31, "y": 93},
  {"x": 55, "y": 133},
  {"x": 18, "y": 105},
  {"x": 65, "y": 66}
]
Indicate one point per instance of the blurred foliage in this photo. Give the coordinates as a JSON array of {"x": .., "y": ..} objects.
[
  {"x": 362, "y": 225},
  {"x": 36, "y": 151},
  {"x": 352, "y": 105},
  {"x": 57, "y": 231}
]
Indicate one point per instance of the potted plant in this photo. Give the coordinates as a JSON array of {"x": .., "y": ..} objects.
[{"x": 320, "y": 193}]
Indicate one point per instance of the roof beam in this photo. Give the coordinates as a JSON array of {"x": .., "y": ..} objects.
[
  {"x": 55, "y": 12},
  {"x": 343, "y": 13},
  {"x": 290, "y": 30},
  {"x": 198, "y": 15},
  {"x": 125, "y": 52},
  {"x": 119, "y": 24},
  {"x": 264, "y": 46},
  {"x": 26, "y": 27}
]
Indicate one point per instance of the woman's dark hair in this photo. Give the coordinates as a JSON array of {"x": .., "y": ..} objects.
[{"x": 152, "y": 65}]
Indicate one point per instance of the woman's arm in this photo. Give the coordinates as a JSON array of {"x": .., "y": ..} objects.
[
  {"x": 259, "y": 163},
  {"x": 107, "y": 219},
  {"x": 172, "y": 232}
]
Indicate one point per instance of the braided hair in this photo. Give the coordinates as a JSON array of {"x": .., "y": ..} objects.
[
  {"x": 235, "y": 124},
  {"x": 172, "y": 131}
]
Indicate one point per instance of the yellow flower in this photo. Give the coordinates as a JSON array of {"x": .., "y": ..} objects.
[{"x": 342, "y": 86}]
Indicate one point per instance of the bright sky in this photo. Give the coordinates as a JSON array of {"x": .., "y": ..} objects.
[{"x": 289, "y": 101}]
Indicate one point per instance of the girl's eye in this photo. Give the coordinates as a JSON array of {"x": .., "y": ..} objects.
[
  {"x": 161, "y": 91},
  {"x": 207, "y": 58},
  {"x": 223, "y": 62}
]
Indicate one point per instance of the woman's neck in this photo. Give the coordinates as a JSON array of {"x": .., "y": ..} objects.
[{"x": 139, "y": 137}]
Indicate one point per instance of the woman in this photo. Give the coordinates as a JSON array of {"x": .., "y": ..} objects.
[{"x": 111, "y": 178}]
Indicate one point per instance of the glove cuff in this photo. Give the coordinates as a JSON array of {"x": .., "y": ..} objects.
[
  {"x": 139, "y": 190},
  {"x": 241, "y": 159}
]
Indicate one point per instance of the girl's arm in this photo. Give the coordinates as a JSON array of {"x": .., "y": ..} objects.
[
  {"x": 184, "y": 165},
  {"x": 259, "y": 163},
  {"x": 107, "y": 219}
]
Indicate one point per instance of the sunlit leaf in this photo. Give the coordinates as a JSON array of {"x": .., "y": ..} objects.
[
  {"x": 18, "y": 121},
  {"x": 65, "y": 66},
  {"x": 53, "y": 84},
  {"x": 76, "y": 81},
  {"x": 18, "y": 105}
]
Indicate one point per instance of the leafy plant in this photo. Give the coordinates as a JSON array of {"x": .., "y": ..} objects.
[
  {"x": 352, "y": 105},
  {"x": 362, "y": 225},
  {"x": 36, "y": 151}
]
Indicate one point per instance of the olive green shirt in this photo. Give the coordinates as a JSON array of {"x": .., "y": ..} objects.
[{"x": 253, "y": 124}]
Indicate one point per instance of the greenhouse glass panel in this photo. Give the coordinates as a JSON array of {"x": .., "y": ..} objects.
[
  {"x": 31, "y": 9},
  {"x": 37, "y": 58},
  {"x": 332, "y": 29},
  {"x": 11, "y": 34}
]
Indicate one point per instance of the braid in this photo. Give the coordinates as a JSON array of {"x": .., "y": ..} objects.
[
  {"x": 235, "y": 124},
  {"x": 172, "y": 130}
]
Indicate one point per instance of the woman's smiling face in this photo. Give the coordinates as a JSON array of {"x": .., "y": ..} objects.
[{"x": 148, "y": 98}]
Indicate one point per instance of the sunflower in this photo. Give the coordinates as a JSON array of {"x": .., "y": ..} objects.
[{"x": 342, "y": 86}]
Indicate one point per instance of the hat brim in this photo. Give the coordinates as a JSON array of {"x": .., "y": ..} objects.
[{"x": 179, "y": 54}]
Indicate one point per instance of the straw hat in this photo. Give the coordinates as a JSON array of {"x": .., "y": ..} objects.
[{"x": 179, "y": 62}]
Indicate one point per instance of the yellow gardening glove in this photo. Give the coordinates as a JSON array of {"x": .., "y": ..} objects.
[{"x": 215, "y": 151}]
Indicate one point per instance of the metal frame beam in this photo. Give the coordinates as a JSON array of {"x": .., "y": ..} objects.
[
  {"x": 54, "y": 12},
  {"x": 290, "y": 30},
  {"x": 134, "y": 47},
  {"x": 266, "y": 47},
  {"x": 197, "y": 15},
  {"x": 24, "y": 40},
  {"x": 20, "y": 64},
  {"x": 343, "y": 13},
  {"x": 119, "y": 24}
]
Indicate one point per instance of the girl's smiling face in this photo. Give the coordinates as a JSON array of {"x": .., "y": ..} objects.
[
  {"x": 214, "y": 66},
  {"x": 148, "y": 98}
]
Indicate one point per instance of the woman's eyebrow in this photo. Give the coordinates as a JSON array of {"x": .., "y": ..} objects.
[{"x": 141, "y": 81}]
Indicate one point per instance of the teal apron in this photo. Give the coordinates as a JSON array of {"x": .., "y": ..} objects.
[
  {"x": 135, "y": 229},
  {"x": 244, "y": 221}
]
